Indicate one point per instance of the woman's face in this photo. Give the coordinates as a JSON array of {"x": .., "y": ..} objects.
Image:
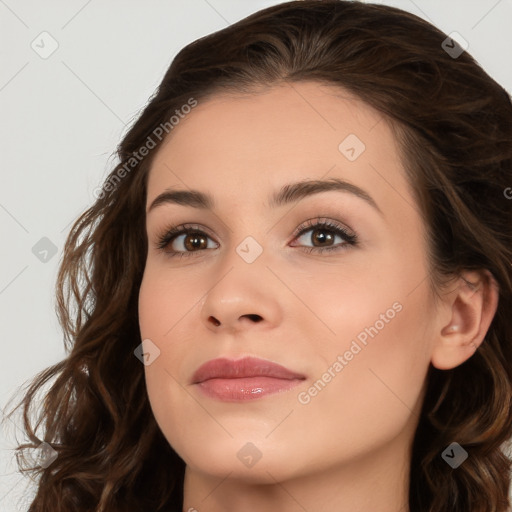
[{"x": 352, "y": 323}]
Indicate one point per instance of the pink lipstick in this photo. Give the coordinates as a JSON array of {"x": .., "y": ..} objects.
[{"x": 243, "y": 379}]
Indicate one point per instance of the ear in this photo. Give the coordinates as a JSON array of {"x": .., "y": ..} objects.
[{"x": 470, "y": 308}]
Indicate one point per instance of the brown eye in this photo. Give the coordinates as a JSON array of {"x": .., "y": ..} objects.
[
  {"x": 323, "y": 237},
  {"x": 193, "y": 241},
  {"x": 184, "y": 240}
]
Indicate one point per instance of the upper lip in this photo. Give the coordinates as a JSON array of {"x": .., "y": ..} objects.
[{"x": 223, "y": 368}]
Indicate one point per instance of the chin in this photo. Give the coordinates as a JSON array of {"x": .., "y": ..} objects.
[{"x": 257, "y": 463}]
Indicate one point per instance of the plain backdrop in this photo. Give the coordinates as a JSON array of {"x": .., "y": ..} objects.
[{"x": 74, "y": 75}]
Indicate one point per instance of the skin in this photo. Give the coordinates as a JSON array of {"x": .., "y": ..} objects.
[{"x": 348, "y": 448}]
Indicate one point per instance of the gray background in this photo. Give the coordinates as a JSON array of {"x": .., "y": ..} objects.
[{"x": 63, "y": 115}]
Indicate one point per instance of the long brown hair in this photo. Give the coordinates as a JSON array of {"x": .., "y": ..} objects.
[{"x": 454, "y": 127}]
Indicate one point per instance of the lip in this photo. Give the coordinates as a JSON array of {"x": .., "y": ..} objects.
[{"x": 243, "y": 379}]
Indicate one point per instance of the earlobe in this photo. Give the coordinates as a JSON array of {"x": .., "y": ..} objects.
[{"x": 471, "y": 308}]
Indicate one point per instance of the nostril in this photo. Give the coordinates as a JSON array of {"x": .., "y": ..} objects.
[
  {"x": 255, "y": 318},
  {"x": 214, "y": 320}
]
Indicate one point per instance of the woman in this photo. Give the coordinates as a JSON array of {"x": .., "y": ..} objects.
[{"x": 294, "y": 291}]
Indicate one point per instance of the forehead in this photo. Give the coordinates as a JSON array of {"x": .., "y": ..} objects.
[{"x": 257, "y": 142}]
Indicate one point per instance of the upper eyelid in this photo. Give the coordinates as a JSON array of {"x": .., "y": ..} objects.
[
  {"x": 303, "y": 226},
  {"x": 314, "y": 219}
]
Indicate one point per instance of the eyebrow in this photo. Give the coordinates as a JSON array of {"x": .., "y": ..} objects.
[{"x": 289, "y": 193}]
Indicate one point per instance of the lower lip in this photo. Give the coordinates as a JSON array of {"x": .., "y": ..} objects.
[{"x": 247, "y": 388}]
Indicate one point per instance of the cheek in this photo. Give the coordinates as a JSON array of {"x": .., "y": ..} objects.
[
  {"x": 373, "y": 396},
  {"x": 170, "y": 406},
  {"x": 390, "y": 365},
  {"x": 164, "y": 299},
  {"x": 380, "y": 330},
  {"x": 161, "y": 309},
  {"x": 381, "y": 301}
]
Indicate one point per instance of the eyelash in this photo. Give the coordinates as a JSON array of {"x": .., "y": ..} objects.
[{"x": 170, "y": 234}]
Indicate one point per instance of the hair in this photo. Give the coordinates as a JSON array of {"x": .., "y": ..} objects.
[{"x": 453, "y": 125}]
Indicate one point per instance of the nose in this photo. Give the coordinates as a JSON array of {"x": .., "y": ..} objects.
[{"x": 247, "y": 296}]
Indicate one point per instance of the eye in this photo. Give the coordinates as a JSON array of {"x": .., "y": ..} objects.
[
  {"x": 183, "y": 239},
  {"x": 324, "y": 233},
  {"x": 187, "y": 239}
]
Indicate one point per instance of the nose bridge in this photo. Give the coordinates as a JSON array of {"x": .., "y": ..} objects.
[
  {"x": 243, "y": 268},
  {"x": 248, "y": 238},
  {"x": 244, "y": 289}
]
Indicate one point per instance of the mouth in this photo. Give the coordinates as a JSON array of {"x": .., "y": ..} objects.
[{"x": 243, "y": 379}]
